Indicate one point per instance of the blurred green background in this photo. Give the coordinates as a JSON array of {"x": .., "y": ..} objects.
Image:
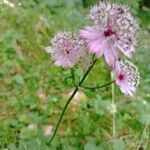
[{"x": 33, "y": 90}]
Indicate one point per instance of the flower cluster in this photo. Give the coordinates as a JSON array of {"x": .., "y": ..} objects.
[
  {"x": 126, "y": 76},
  {"x": 112, "y": 33},
  {"x": 66, "y": 49}
]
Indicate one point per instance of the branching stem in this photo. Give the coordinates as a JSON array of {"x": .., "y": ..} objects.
[
  {"x": 70, "y": 98},
  {"x": 74, "y": 93}
]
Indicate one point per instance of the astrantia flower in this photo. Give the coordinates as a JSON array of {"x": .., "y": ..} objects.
[
  {"x": 66, "y": 49},
  {"x": 114, "y": 31},
  {"x": 127, "y": 77}
]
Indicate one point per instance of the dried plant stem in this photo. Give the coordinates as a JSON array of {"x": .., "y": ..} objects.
[
  {"x": 113, "y": 111},
  {"x": 144, "y": 132}
]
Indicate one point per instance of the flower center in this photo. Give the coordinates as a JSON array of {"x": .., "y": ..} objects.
[
  {"x": 121, "y": 77},
  {"x": 120, "y": 11},
  {"x": 67, "y": 51},
  {"x": 108, "y": 32},
  {"x": 67, "y": 46}
]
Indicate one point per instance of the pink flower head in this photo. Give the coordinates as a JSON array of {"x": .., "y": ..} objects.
[
  {"x": 114, "y": 31},
  {"x": 66, "y": 49},
  {"x": 127, "y": 77}
]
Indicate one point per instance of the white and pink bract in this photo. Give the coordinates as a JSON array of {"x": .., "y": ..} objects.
[
  {"x": 66, "y": 49},
  {"x": 113, "y": 31},
  {"x": 126, "y": 77}
]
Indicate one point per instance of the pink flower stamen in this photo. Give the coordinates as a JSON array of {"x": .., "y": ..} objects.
[
  {"x": 108, "y": 32},
  {"x": 121, "y": 77},
  {"x": 67, "y": 52}
]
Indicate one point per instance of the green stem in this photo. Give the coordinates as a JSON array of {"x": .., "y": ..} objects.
[
  {"x": 113, "y": 112},
  {"x": 97, "y": 87},
  {"x": 70, "y": 98},
  {"x": 62, "y": 114},
  {"x": 73, "y": 74}
]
